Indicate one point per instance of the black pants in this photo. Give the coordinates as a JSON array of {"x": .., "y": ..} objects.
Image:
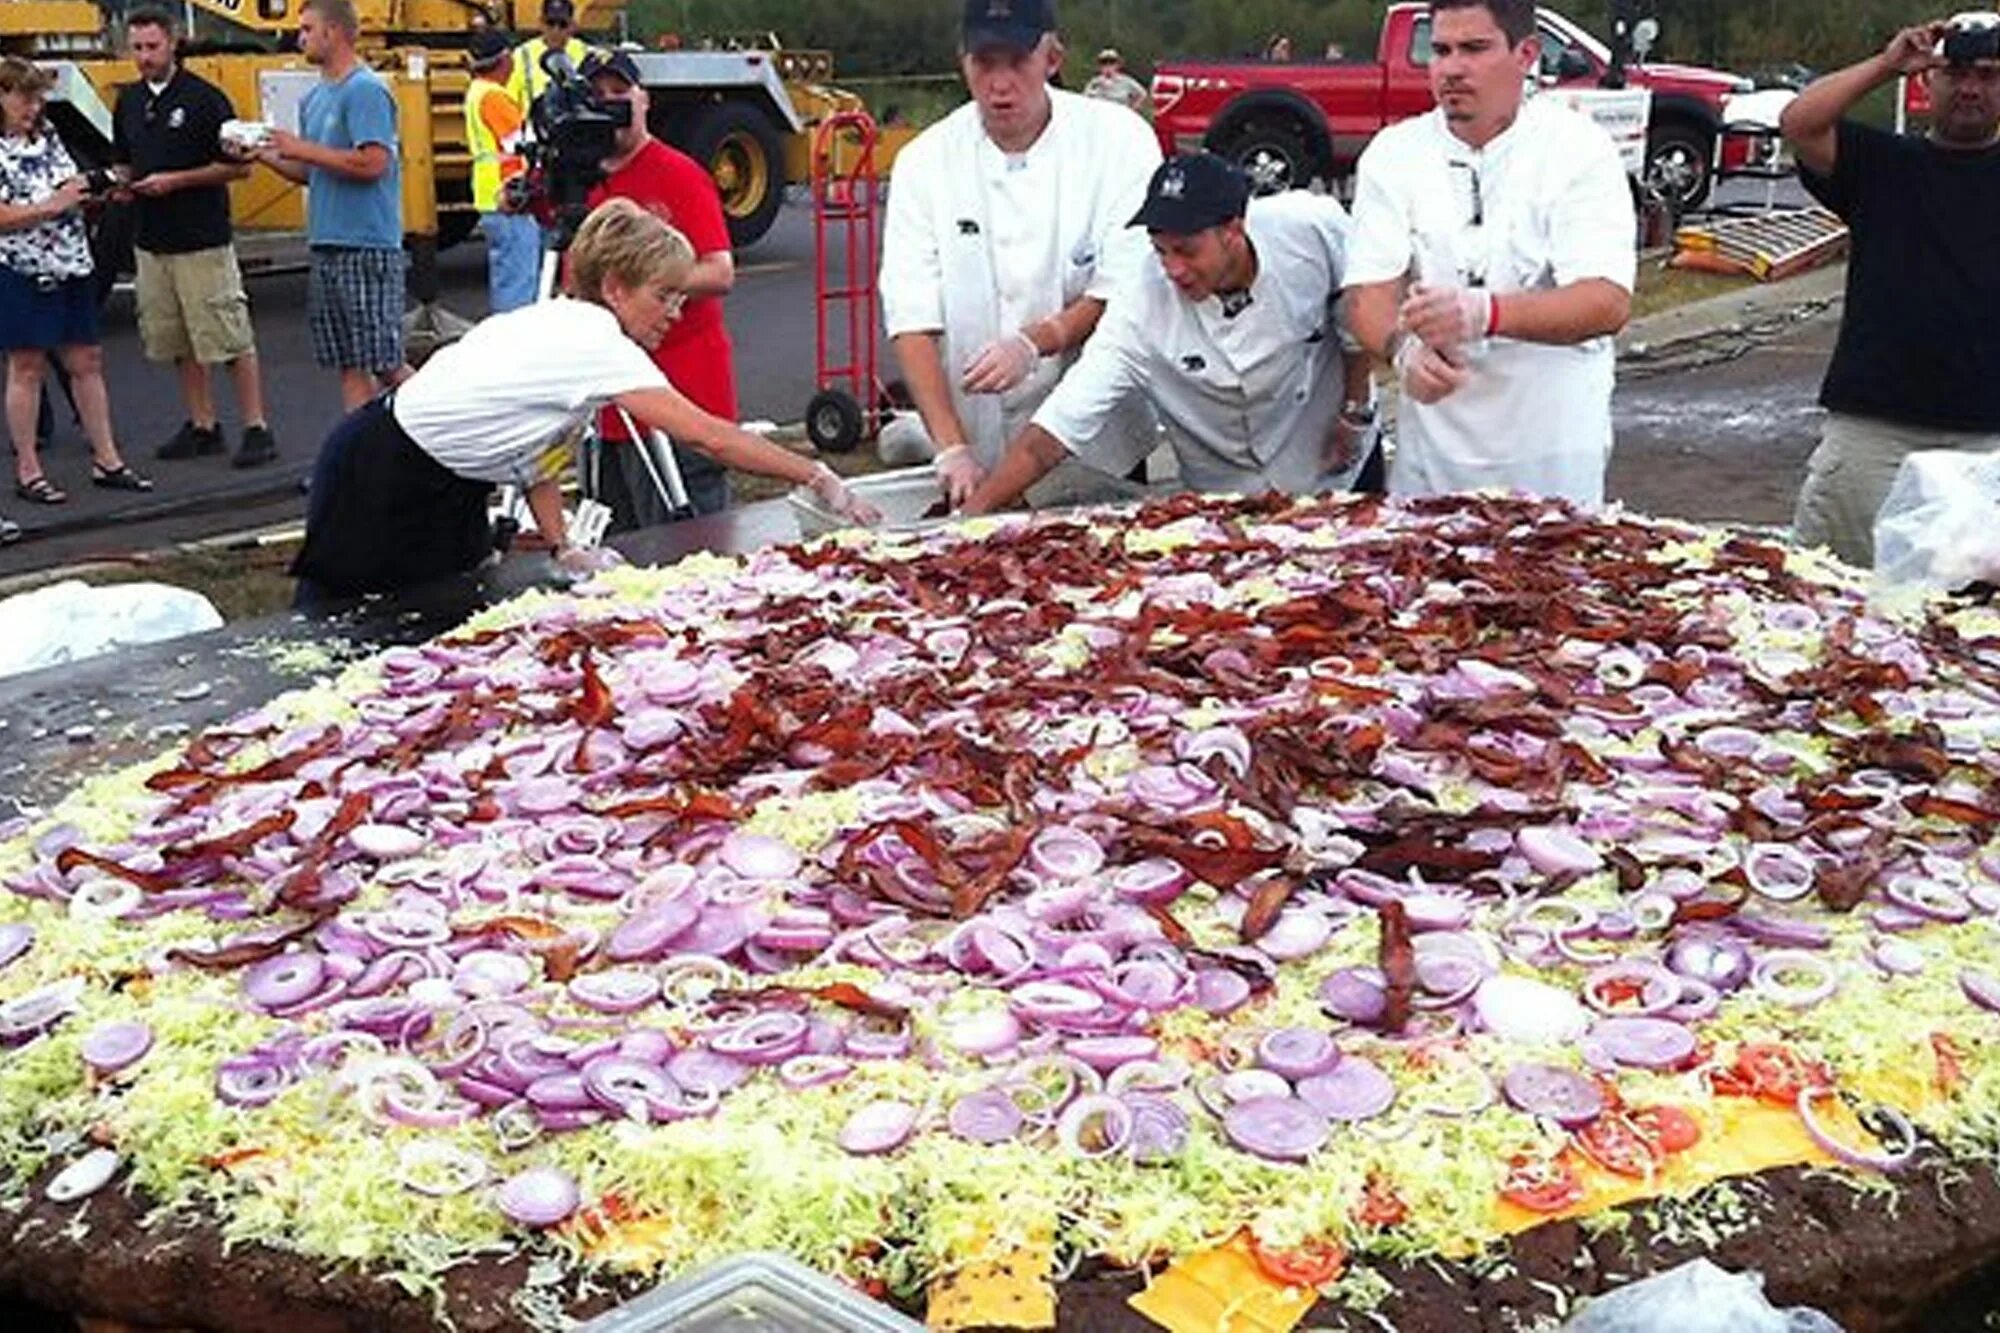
[{"x": 384, "y": 515}]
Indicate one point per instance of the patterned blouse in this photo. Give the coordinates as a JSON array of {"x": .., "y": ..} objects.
[{"x": 31, "y": 170}]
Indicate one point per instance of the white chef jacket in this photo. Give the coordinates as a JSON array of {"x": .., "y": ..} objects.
[
  {"x": 979, "y": 244},
  {"x": 1554, "y": 208},
  {"x": 1249, "y": 401}
]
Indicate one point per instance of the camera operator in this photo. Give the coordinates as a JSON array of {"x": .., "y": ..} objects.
[
  {"x": 695, "y": 354},
  {"x": 1917, "y": 364},
  {"x": 48, "y": 301},
  {"x": 399, "y": 494}
]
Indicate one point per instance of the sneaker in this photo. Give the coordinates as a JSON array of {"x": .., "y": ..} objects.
[
  {"x": 191, "y": 441},
  {"x": 259, "y": 447}
]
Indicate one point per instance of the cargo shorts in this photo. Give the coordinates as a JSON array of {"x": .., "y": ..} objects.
[
  {"x": 193, "y": 306},
  {"x": 1850, "y": 473}
]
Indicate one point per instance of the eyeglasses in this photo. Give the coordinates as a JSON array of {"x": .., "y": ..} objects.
[{"x": 1478, "y": 204}]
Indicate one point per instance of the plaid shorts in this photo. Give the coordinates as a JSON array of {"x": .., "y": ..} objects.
[{"x": 354, "y": 306}]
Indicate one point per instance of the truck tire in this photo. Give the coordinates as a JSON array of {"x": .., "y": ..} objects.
[
  {"x": 1680, "y": 166},
  {"x": 742, "y": 150},
  {"x": 1273, "y": 151}
]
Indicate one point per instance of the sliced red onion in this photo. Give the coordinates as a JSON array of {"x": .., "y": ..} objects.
[
  {"x": 1160, "y": 1128},
  {"x": 1220, "y": 992},
  {"x": 1529, "y": 1011},
  {"x": 1282, "y": 1129},
  {"x": 1698, "y": 1000},
  {"x": 1708, "y": 956},
  {"x": 813, "y": 1071},
  {"x": 1148, "y": 983},
  {"x": 539, "y": 1197},
  {"x": 1297, "y": 933},
  {"x": 707, "y": 1072},
  {"x": 1105, "y": 1054},
  {"x": 627, "y": 1087},
  {"x": 285, "y": 980},
  {"x": 16, "y": 938},
  {"x": 1148, "y": 1076},
  {"x": 767, "y": 1039},
  {"x": 877, "y": 1044},
  {"x": 1231, "y": 744},
  {"x": 986, "y": 1033},
  {"x": 759, "y": 857},
  {"x": 386, "y": 842},
  {"x": 1064, "y": 852},
  {"x": 652, "y": 931},
  {"x": 1659, "y": 988},
  {"x": 1557, "y": 851},
  {"x": 1892, "y": 1159},
  {"x": 1042, "y": 1085},
  {"x": 1436, "y": 911},
  {"x": 83, "y": 1177},
  {"x": 1170, "y": 789},
  {"x": 1095, "y": 1125},
  {"x": 1357, "y": 994},
  {"x": 1770, "y": 977},
  {"x": 110, "y": 1047},
  {"x": 1298, "y": 1052},
  {"x": 104, "y": 900},
  {"x": 1897, "y": 958},
  {"x": 1892, "y": 918},
  {"x": 1644, "y": 1042},
  {"x": 440, "y": 1169},
  {"x": 986, "y": 1117},
  {"x": 1054, "y": 1002},
  {"x": 490, "y": 973},
  {"x": 1939, "y": 902},
  {"x": 1353, "y": 1089},
  {"x": 1553, "y": 1093},
  {"x": 1786, "y": 931},
  {"x": 1157, "y": 881},
  {"x": 879, "y": 1127},
  {"x": 1980, "y": 987},
  {"x": 250, "y": 1081},
  {"x": 618, "y": 990}
]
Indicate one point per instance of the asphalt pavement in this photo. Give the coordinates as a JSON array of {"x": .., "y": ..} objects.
[{"x": 1718, "y": 437}]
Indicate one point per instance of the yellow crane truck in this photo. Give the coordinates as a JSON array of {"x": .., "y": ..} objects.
[{"x": 747, "y": 114}]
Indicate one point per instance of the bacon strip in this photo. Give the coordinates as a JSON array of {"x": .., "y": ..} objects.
[{"x": 1398, "y": 960}]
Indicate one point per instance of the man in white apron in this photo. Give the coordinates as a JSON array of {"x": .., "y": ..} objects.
[
  {"x": 1005, "y": 234},
  {"x": 1231, "y": 333},
  {"x": 1493, "y": 259}
]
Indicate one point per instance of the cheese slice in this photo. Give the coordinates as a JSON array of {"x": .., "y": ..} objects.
[
  {"x": 1223, "y": 1290},
  {"x": 1012, "y": 1291}
]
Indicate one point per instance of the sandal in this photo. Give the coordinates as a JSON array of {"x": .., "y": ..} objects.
[
  {"x": 40, "y": 490},
  {"x": 120, "y": 478}
]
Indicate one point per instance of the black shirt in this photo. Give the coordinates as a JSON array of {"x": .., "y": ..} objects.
[
  {"x": 173, "y": 130},
  {"x": 1920, "y": 338}
]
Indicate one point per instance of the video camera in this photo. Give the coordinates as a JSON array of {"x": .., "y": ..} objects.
[
  {"x": 1970, "y": 38},
  {"x": 574, "y": 130}
]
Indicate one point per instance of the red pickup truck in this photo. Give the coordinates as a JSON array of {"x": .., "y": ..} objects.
[{"x": 1291, "y": 123}]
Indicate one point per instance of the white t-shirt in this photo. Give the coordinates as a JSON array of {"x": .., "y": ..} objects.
[
  {"x": 1249, "y": 400},
  {"x": 1543, "y": 205},
  {"x": 491, "y": 405},
  {"x": 979, "y": 243}
]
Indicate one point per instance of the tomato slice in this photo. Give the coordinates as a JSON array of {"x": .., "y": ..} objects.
[
  {"x": 1778, "y": 1074},
  {"x": 1950, "y": 1061},
  {"x": 1668, "y": 1128},
  {"x": 1542, "y": 1185},
  {"x": 1381, "y": 1206},
  {"x": 1313, "y": 1264},
  {"x": 1615, "y": 1143}
]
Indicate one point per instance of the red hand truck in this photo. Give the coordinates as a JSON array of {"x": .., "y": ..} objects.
[{"x": 847, "y": 210}]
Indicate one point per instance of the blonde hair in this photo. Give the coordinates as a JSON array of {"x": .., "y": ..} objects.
[
  {"x": 622, "y": 241},
  {"x": 20, "y": 76},
  {"x": 339, "y": 14}
]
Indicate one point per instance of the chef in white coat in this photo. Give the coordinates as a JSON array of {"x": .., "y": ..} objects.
[
  {"x": 1493, "y": 259},
  {"x": 1232, "y": 334},
  {"x": 1005, "y": 234}
]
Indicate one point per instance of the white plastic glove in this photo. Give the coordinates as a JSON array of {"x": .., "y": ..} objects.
[
  {"x": 959, "y": 473},
  {"x": 832, "y": 492},
  {"x": 1426, "y": 374},
  {"x": 1002, "y": 364},
  {"x": 574, "y": 564},
  {"x": 1446, "y": 317}
]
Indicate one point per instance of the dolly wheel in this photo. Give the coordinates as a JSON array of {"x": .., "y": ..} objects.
[{"x": 833, "y": 421}]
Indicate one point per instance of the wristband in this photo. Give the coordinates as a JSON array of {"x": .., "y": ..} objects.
[{"x": 1493, "y": 317}]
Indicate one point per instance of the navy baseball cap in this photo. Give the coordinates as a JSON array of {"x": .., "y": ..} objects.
[
  {"x": 1192, "y": 193},
  {"x": 488, "y": 48},
  {"x": 600, "y": 61},
  {"x": 1016, "y": 23}
]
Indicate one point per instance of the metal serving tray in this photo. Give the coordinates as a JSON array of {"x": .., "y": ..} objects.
[
  {"x": 902, "y": 495},
  {"x": 753, "y": 1293}
]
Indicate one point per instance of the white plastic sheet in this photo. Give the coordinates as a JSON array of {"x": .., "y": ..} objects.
[
  {"x": 70, "y": 621},
  {"x": 1939, "y": 528},
  {"x": 1697, "y": 1297}
]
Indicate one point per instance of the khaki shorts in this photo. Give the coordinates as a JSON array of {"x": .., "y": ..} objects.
[{"x": 193, "y": 305}]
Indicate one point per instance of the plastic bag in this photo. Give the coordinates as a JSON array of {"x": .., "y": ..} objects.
[
  {"x": 1939, "y": 528},
  {"x": 69, "y": 621},
  {"x": 1696, "y": 1297}
]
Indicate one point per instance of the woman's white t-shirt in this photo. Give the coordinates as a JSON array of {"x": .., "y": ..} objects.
[{"x": 491, "y": 405}]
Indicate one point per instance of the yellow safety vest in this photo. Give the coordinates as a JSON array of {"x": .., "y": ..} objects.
[
  {"x": 529, "y": 79},
  {"x": 494, "y": 157}
]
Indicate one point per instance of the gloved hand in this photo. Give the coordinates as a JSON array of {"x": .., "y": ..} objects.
[
  {"x": 1446, "y": 317},
  {"x": 959, "y": 473},
  {"x": 1003, "y": 364},
  {"x": 832, "y": 492},
  {"x": 1345, "y": 442},
  {"x": 573, "y": 564},
  {"x": 1426, "y": 374}
]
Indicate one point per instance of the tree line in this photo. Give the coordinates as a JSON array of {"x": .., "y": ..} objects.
[{"x": 876, "y": 38}]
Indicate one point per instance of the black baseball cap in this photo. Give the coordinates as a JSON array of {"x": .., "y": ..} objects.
[
  {"x": 558, "y": 11},
  {"x": 488, "y": 48},
  {"x": 600, "y": 61},
  {"x": 1192, "y": 193},
  {"x": 1016, "y": 23}
]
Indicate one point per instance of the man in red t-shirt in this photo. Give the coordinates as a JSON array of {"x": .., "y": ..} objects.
[{"x": 695, "y": 354}]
